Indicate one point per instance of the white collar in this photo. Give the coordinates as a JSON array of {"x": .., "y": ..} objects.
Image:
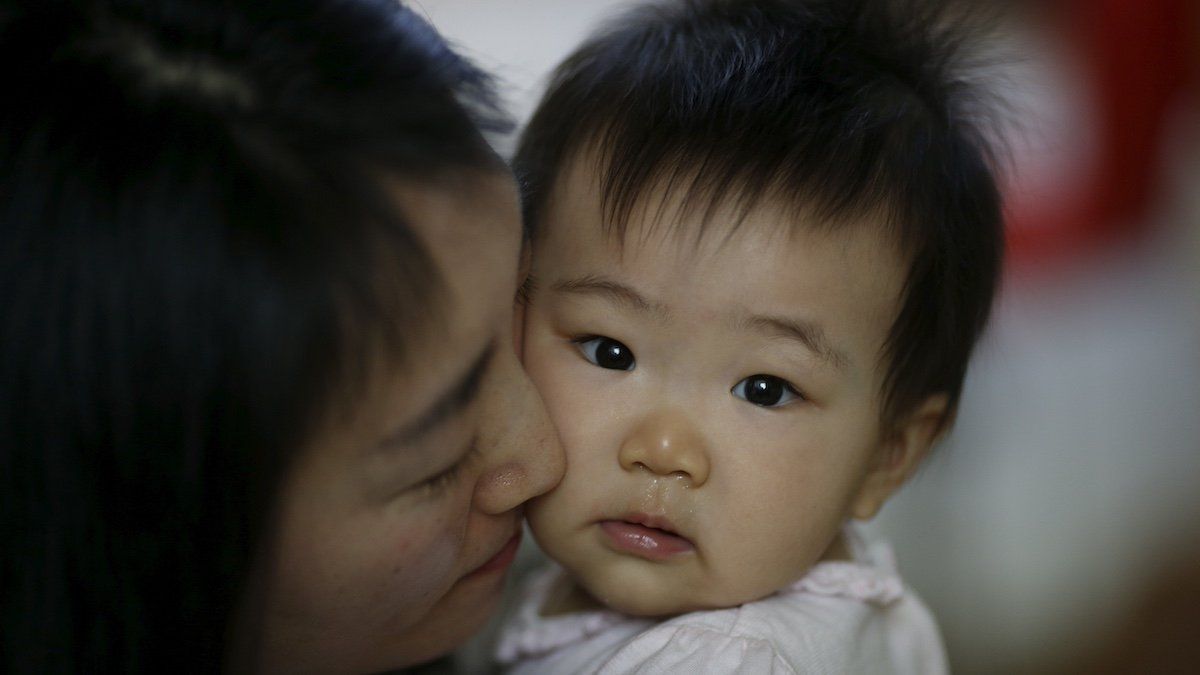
[{"x": 870, "y": 577}]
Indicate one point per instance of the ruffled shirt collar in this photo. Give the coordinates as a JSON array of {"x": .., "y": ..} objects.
[{"x": 869, "y": 577}]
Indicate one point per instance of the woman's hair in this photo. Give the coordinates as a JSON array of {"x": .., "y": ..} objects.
[{"x": 196, "y": 251}]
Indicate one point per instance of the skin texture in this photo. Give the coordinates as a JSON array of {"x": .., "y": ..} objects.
[
  {"x": 759, "y": 492},
  {"x": 374, "y": 566}
]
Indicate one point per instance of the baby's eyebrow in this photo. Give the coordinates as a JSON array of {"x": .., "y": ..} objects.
[
  {"x": 613, "y": 290},
  {"x": 807, "y": 333}
]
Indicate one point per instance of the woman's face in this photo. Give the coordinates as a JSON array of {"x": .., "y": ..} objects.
[{"x": 396, "y": 526}]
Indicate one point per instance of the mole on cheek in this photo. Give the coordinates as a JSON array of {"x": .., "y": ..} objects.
[{"x": 403, "y": 546}]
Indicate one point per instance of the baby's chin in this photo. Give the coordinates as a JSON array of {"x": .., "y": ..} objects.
[
  {"x": 644, "y": 606},
  {"x": 645, "y": 600}
]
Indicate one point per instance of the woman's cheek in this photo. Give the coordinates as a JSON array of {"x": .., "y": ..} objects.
[{"x": 423, "y": 562}]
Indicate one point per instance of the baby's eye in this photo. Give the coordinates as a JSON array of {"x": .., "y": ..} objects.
[
  {"x": 606, "y": 352},
  {"x": 767, "y": 391}
]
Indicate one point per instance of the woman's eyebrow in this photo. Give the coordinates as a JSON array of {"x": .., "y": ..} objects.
[{"x": 458, "y": 396}]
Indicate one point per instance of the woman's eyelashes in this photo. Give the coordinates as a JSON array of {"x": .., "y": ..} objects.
[
  {"x": 439, "y": 482},
  {"x": 766, "y": 391},
  {"x": 605, "y": 352},
  {"x": 525, "y": 291}
]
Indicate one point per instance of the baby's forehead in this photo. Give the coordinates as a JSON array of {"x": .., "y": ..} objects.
[{"x": 679, "y": 203}]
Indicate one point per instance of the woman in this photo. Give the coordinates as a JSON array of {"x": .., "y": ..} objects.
[{"x": 259, "y": 405}]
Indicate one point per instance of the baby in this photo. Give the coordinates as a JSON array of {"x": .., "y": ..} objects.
[{"x": 765, "y": 237}]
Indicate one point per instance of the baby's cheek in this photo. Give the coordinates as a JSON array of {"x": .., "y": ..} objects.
[
  {"x": 553, "y": 516},
  {"x": 767, "y": 532},
  {"x": 542, "y": 512}
]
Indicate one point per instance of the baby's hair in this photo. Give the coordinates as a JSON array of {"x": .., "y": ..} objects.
[
  {"x": 839, "y": 110},
  {"x": 197, "y": 249}
]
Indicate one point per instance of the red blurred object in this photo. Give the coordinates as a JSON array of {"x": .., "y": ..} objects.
[{"x": 1137, "y": 60}]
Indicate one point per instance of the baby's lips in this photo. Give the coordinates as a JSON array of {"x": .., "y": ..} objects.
[
  {"x": 656, "y": 522},
  {"x": 645, "y": 541}
]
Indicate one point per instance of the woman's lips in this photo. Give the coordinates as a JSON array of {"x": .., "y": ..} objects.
[
  {"x": 502, "y": 559},
  {"x": 644, "y": 541}
]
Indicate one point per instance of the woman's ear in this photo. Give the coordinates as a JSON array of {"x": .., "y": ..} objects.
[
  {"x": 521, "y": 299},
  {"x": 899, "y": 455}
]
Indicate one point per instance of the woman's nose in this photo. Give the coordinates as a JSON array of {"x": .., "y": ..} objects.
[
  {"x": 667, "y": 443},
  {"x": 523, "y": 456}
]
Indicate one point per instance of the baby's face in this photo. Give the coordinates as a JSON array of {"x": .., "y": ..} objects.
[{"x": 719, "y": 403}]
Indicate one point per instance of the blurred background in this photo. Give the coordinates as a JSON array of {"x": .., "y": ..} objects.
[{"x": 1057, "y": 530}]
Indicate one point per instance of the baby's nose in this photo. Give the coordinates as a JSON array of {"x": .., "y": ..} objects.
[{"x": 667, "y": 443}]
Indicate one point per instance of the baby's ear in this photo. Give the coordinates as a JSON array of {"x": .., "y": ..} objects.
[{"x": 899, "y": 455}]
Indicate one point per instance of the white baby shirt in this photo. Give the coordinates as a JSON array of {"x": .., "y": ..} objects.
[{"x": 842, "y": 617}]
